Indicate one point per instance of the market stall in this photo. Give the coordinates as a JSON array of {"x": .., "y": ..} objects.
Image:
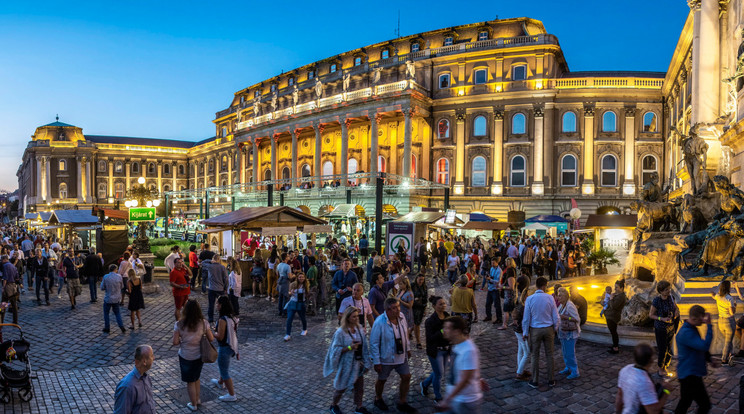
[
  {"x": 552, "y": 225},
  {"x": 75, "y": 222},
  {"x": 612, "y": 231}
]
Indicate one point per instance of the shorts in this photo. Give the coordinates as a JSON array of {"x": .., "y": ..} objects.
[
  {"x": 180, "y": 300},
  {"x": 73, "y": 287},
  {"x": 190, "y": 370},
  {"x": 740, "y": 322},
  {"x": 401, "y": 369},
  {"x": 363, "y": 252}
]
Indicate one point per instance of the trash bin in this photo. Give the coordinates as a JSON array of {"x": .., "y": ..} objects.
[{"x": 147, "y": 278}]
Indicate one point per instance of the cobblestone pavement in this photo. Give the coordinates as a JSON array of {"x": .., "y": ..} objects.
[{"x": 77, "y": 367}]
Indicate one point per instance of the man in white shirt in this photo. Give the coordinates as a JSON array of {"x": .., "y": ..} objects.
[
  {"x": 634, "y": 385},
  {"x": 169, "y": 261},
  {"x": 539, "y": 325},
  {"x": 358, "y": 301},
  {"x": 464, "y": 384}
]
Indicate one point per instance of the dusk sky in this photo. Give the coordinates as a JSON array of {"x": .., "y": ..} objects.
[{"x": 162, "y": 69}]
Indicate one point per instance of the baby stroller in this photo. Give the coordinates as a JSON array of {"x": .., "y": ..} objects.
[{"x": 15, "y": 368}]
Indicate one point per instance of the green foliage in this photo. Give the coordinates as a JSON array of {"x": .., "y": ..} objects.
[
  {"x": 160, "y": 252},
  {"x": 602, "y": 258},
  {"x": 587, "y": 244}
]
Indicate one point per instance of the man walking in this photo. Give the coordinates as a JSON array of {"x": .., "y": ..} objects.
[
  {"x": 283, "y": 271},
  {"x": 635, "y": 389},
  {"x": 40, "y": 266},
  {"x": 464, "y": 395},
  {"x": 691, "y": 351},
  {"x": 540, "y": 324},
  {"x": 11, "y": 281},
  {"x": 343, "y": 282},
  {"x": 390, "y": 350},
  {"x": 134, "y": 392},
  {"x": 112, "y": 285},
  {"x": 92, "y": 269}
]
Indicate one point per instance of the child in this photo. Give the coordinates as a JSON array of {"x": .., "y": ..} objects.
[{"x": 606, "y": 300}]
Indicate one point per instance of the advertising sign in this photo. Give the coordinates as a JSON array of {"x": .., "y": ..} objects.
[{"x": 400, "y": 234}]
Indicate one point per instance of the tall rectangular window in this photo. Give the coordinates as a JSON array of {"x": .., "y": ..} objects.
[
  {"x": 444, "y": 81},
  {"x": 385, "y": 54},
  {"x": 310, "y": 74},
  {"x": 480, "y": 76},
  {"x": 519, "y": 73},
  {"x": 334, "y": 67}
]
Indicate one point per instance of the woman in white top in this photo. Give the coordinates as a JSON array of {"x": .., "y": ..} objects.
[
  {"x": 235, "y": 284},
  {"x": 726, "y": 322},
  {"x": 453, "y": 263},
  {"x": 187, "y": 334},
  {"x": 568, "y": 332}
]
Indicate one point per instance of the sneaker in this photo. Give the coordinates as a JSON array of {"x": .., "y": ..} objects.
[
  {"x": 564, "y": 371},
  {"x": 405, "y": 408},
  {"x": 551, "y": 383},
  {"x": 191, "y": 407},
  {"x": 59, "y": 296},
  {"x": 335, "y": 409},
  {"x": 380, "y": 404},
  {"x": 572, "y": 376},
  {"x": 286, "y": 338},
  {"x": 361, "y": 410},
  {"x": 250, "y": 296},
  {"x": 533, "y": 384},
  {"x": 123, "y": 329},
  {"x": 216, "y": 383},
  {"x": 424, "y": 390},
  {"x": 303, "y": 333},
  {"x": 227, "y": 398}
]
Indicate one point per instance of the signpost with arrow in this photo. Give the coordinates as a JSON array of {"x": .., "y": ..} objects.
[{"x": 142, "y": 214}]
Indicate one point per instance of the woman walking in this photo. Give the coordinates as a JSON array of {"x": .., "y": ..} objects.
[
  {"x": 509, "y": 281},
  {"x": 613, "y": 313},
  {"x": 298, "y": 292},
  {"x": 404, "y": 294},
  {"x": 726, "y": 321},
  {"x": 420, "y": 299},
  {"x": 523, "y": 347},
  {"x": 437, "y": 347},
  {"x": 187, "y": 333},
  {"x": 136, "y": 300},
  {"x": 453, "y": 264},
  {"x": 227, "y": 341},
  {"x": 568, "y": 332},
  {"x": 665, "y": 313},
  {"x": 271, "y": 275},
  {"x": 349, "y": 357}
]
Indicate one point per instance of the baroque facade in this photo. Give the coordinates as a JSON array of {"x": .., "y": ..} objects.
[{"x": 489, "y": 109}]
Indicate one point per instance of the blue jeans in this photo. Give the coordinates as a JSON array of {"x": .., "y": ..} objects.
[
  {"x": 727, "y": 326},
  {"x": 281, "y": 302},
  {"x": 568, "y": 347},
  {"x": 560, "y": 268},
  {"x": 494, "y": 300},
  {"x": 106, "y": 308},
  {"x": 299, "y": 309},
  {"x": 93, "y": 286},
  {"x": 61, "y": 282},
  {"x": 452, "y": 276},
  {"x": 437, "y": 370},
  {"x": 29, "y": 279},
  {"x": 212, "y": 297},
  {"x": 224, "y": 353}
]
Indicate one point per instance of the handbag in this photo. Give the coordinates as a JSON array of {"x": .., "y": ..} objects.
[
  {"x": 568, "y": 325},
  {"x": 10, "y": 290},
  {"x": 208, "y": 351}
]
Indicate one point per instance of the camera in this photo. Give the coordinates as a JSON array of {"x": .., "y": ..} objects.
[{"x": 399, "y": 346}]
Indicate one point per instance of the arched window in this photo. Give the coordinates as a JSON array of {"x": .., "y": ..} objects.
[
  {"x": 648, "y": 168},
  {"x": 102, "y": 166},
  {"x": 224, "y": 183},
  {"x": 118, "y": 167},
  {"x": 479, "y": 126},
  {"x": 166, "y": 168},
  {"x": 151, "y": 168},
  {"x": 518, "y": 123},
  {"x": 62, "y": 165},
  {"x": 286, "y": 173},
  {"x": 381, "y": 164},
  {"x": 267, "y": 175},
  {"x": 327, "y": 168},
  {"x": 443, "y": 171},
  {"x": 609, "y": 171},
  {"x": 568, "y": 171},
  {"x": 608, "y": 122},
  {"x": 102, "y": 191},
  {"x": 119, "y": 190},
  {"x": 478, "y": 176},
  {"x": 306, "y": 171},
  {"x": 443, "y": 129},
  {"x": 569, "y": 122},
  {"x": 166, "y": 188},
  {"x": 135, "y": 168},
  {"x": 518, "y": 172},
  {"x": 62, "y": 190},
  {"x": 649, "y": 122},
  {"x": 352, "y": 166},
  {"x": 181, "y": 169},
  {"x": 182, "y": 188}
]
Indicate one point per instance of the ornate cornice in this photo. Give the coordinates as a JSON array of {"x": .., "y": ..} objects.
[
  {"x": 630, "y": 111},
  {"x": 589, "y": 109}
]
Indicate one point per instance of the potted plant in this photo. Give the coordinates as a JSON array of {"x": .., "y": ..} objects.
[{"x": 600, "y": 259}]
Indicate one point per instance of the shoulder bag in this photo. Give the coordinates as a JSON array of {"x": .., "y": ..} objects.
[
  {"x": 208, "y": 351},
  {"x": 566, "y": 324}
]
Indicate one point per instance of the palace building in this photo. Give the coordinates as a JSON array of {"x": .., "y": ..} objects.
[{"x": 490, "y": 110}]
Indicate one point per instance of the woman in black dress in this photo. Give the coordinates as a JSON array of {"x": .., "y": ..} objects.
[{"x": 136, "y": 300}]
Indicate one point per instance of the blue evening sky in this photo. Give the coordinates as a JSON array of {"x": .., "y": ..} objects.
[{"x": 163, "y": 68}]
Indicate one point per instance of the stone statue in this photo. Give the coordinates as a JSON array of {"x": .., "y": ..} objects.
[
  {"x": 693, "y": 219},
  {"x": 376, "y": 75},
  {"x": 347, "y": 81},
  {"x": 651, "y": 191},
  {"x": 695, "y": 152},
  {"x": 255, "y": 107},
  {"x": 318, "y": 88},
  {"x": 732, "y": 199},
  {"x": 274, "y": 98},
  {"x": 295, "y": 95},
  {"x": 410, "y": 69},
  {"x": 654, "y": 216}
]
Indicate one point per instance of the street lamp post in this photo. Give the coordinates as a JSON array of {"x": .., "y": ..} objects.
[{"x": 140, "y": 195}]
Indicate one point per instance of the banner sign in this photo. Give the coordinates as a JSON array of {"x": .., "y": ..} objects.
[
  {"x": 400, "y": 234},
  {"x": 278, "y": 231}
]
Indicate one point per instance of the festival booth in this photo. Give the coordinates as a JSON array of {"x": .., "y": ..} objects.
[
  {"x": 349, "y": 220},
  {"x": 484, "y": 226},
  {"x": 227, "y": 233},
  {"x": 612, "y": 231},
  {"x": 545, "y": 225},
  {"x": 70, "y": 222}
]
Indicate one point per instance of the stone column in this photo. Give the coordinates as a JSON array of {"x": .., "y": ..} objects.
[
  {"x": 39, "y": 173},
  {"x": 538, "y": 173},
  {"x": 230, "y": 158},
  {"x": 587, "y": 186},
  {"x": 127, "y": 166},
  {"x": 345, "y": 152},
  {"x": 254, "y": 160},
  {"x": 48, "y": 175},
  {"x": 459, "y": 187},
  {"x": 160, "y": 176},
  {"x": 630, "y": 132},
  {"x": 392, "y": 162},
  {"x": 407, "y": 115},
  {"x": 374, "y": 124},
  {"x": 79, "y": 188},
  {"x": 318, "y": 156},
  {"x": 206, "y": 172},
  {"x": 293, "y": 174},
  {"x": 274, "y": 139},
  {"x": 110, "y": 178},
  {"x": 174, "y": 174}
]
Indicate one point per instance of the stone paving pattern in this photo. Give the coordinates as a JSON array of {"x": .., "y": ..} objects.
[{"x": 78, "y": 367}]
